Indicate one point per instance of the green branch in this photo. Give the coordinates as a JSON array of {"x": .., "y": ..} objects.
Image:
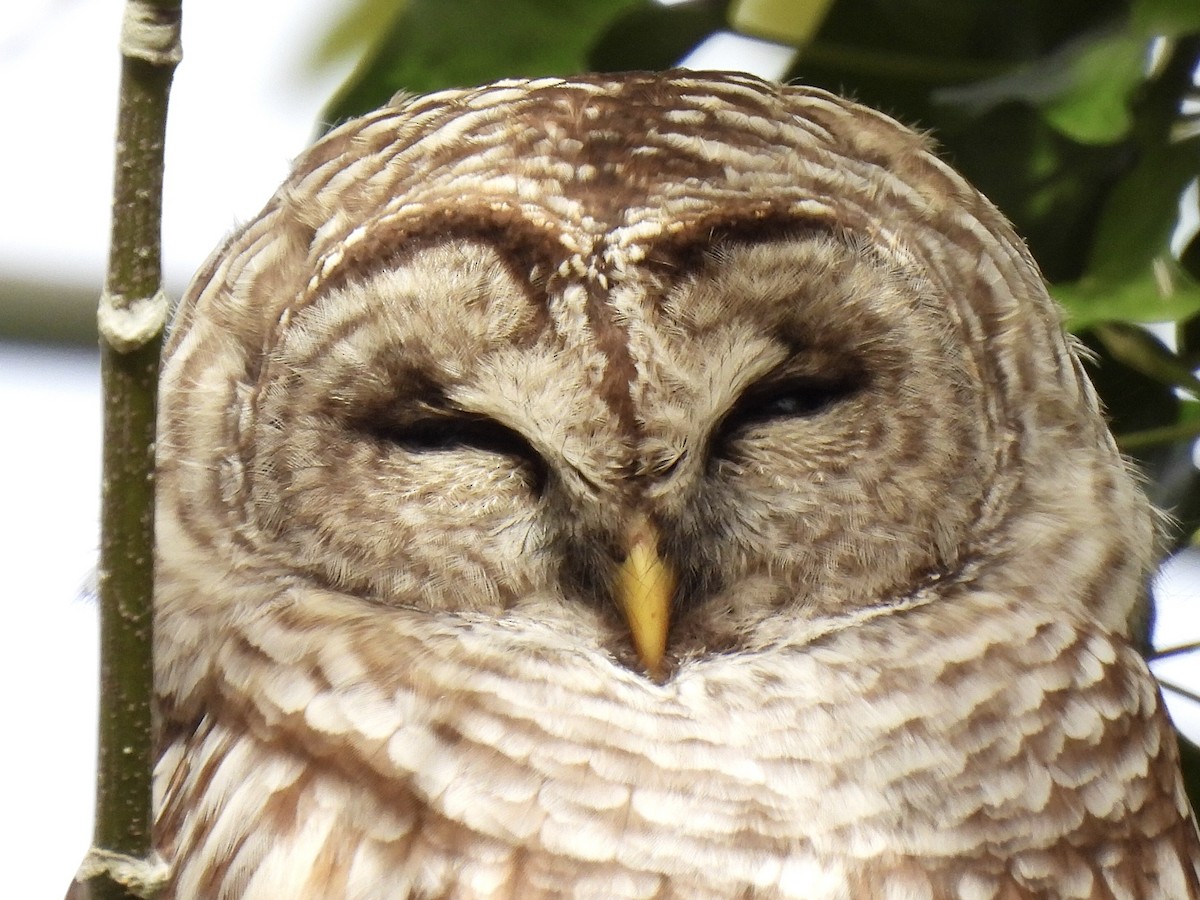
[
  {"x": 132, "y": 311},
  {"x": 1153, "y": 437}
]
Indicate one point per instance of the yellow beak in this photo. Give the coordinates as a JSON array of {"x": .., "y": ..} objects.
[{"x": 645, "y": 586}]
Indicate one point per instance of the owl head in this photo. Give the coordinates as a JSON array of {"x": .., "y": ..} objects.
[{"x": 668, "y": 365}]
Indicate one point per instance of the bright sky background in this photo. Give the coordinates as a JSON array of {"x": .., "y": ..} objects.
[{"x": 242, "y": 107}]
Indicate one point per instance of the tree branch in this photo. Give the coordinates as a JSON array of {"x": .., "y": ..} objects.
[{"x": 131, "y": 316}]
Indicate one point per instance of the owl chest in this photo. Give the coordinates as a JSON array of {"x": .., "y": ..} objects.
[
  {"x": 527, "y": 779},
  {"x": 616, "y": 783}
]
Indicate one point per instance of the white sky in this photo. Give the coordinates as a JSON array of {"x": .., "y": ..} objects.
[{"x": 242, "y": 107}]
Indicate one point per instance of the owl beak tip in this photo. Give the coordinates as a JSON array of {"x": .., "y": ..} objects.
[{"x": 645, "y": 588}]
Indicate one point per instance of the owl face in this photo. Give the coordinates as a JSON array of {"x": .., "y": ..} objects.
[
  {"x": 745, "y": 397},
  {"x": 498, "y": 334}
]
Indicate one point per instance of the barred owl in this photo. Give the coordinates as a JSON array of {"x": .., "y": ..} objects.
[{"x": 646, "y": 485}]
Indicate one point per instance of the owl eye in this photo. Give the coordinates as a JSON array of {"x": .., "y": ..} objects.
[
  {"x": 457, "y": 433},
  {"x": 794, "y": 398}
]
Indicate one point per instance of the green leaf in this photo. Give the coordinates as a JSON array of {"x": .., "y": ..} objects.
[
  {"x": 1094, "y": 107},
  {"x": 1165, "y": 453},
  {"x": 1154, "y": 437},
  {"x": 435, "y": 44},
  {"x": 1131, "y": 275},
  {"x": 1139, "y": 349},
  {"x": 792, "y": 22},
  {"x": 1142, "y": 211},
  {"x": 1163, "y": 294},
  {"x": 1082, "y": 89},
  {"x": 355, "y": 30},
  {"x": 976, "y": 34},
  {"x": 1170, "y": 18}
]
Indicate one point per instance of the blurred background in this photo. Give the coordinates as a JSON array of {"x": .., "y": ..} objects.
[{"x": 1080, "y": 118}]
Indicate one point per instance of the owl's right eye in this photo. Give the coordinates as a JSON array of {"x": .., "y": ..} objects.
[{"x": 459, "y": 433}]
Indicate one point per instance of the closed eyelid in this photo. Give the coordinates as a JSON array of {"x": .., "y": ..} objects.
[
  {"x": 457, "y": 431},
  {"x": 795, "y": 396}
]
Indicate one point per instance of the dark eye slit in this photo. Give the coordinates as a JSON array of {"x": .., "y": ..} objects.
[
  {"x": 439, "y": 434},
  {"x": 792, "y": 398}
]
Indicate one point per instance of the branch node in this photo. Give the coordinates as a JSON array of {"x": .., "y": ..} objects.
[
  {"x": 142, "y": 877},
  {"x": 129, "y": 324},
  {"x": 151, "y": 33}
]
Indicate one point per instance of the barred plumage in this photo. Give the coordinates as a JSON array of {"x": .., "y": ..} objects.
[{"x": 416, "y": 416}]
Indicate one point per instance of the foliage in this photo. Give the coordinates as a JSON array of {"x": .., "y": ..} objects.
[{"x": 431, "y": 44}]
